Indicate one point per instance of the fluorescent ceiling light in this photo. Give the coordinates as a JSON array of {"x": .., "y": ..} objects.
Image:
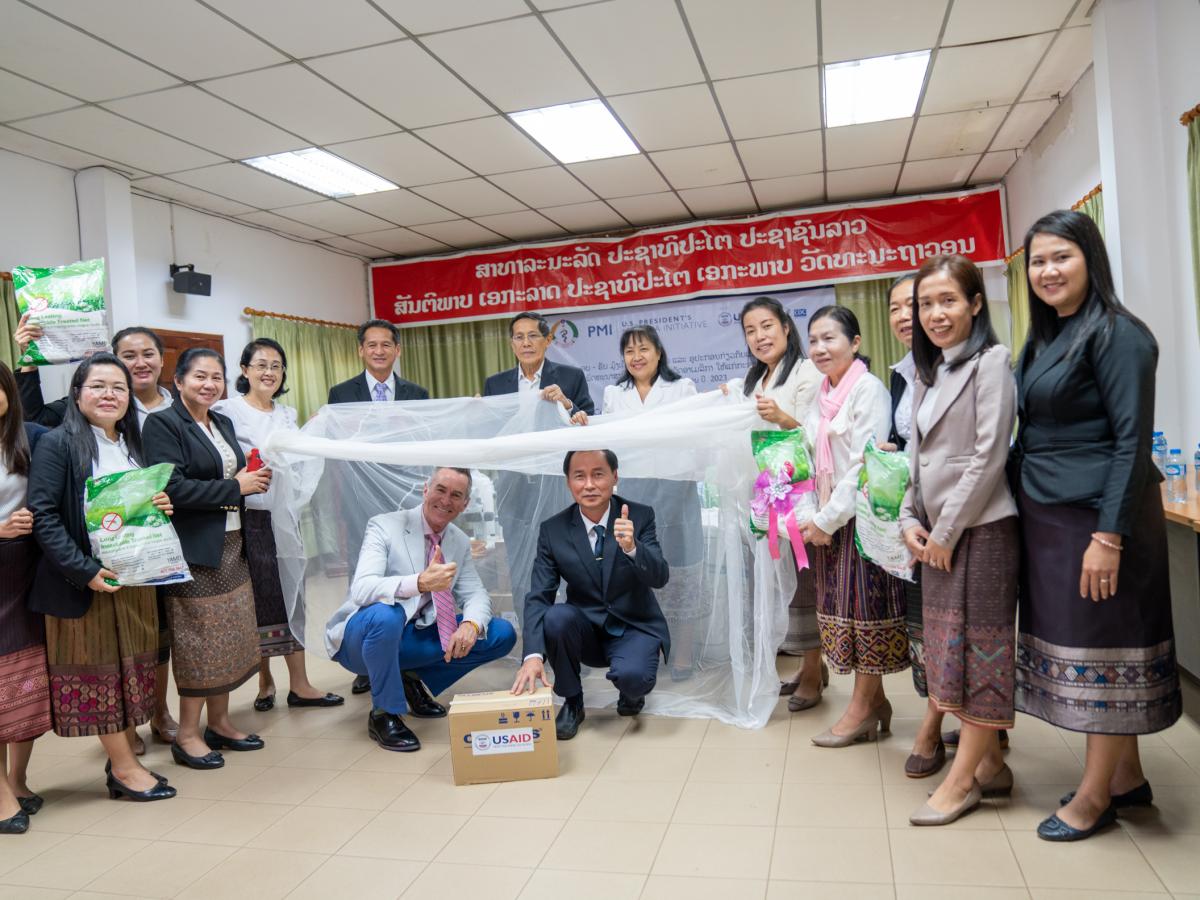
[
  {"x": 574, "y": 132},
  {"x": 872, "y": 90},
  {"x": 321, "y": 172}
]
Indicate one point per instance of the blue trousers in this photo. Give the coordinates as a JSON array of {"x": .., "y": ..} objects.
[
  {"x": 571, "y": 640},
  {"x": 380, "y": 643}
]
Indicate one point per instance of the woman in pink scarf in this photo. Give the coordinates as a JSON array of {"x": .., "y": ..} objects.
[{"x": 860, "y": 608}]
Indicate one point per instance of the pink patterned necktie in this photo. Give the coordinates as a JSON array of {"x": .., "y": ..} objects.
[{"x": 443, "y": 601}]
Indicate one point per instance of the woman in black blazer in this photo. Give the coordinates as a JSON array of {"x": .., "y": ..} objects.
[
  {"x": 214, "y": 634},
  {"x": 1096, "y": 648},
  {"x": 101, "y": 638}
]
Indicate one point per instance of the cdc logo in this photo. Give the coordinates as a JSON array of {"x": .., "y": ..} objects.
[
  {"x": 800, "y": 312},
  {"x": 726, "y": 318}
]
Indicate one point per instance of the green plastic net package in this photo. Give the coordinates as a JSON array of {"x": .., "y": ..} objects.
[
  {"x": 882, "y": 483},
  {"x": 128, "y": 533},
  {"x": 784, "y": 490},
  {"x": 68, "y": 302}
]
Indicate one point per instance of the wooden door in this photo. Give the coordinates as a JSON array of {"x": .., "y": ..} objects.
[{"x": 175, "y": 342}]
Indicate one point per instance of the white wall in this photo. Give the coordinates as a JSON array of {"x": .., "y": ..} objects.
[{"x": 38, "y": 226}]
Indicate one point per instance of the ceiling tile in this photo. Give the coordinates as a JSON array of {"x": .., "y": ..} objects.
[
  {"x": 860, "y": 29},
  {"x": 471, "y": 197},
  {"x": 516, "y": 64},
  {"x": 699, "y": 166},
  {"x": 853, "y": 184},
  {"x": 753, "y": 36},
  {"x": 29, "y": 145},
  {"x": 173, "y": 190},
  {"x": 375, "y": 75},
  {"x": 59, "y": 56},
  {"x": 401, "y": 158},
  {"x": 1082, "y": 14},
  {"x": 96, "y": 131},
  {"x": 357, "y": 247},
  {"x": 993, "y": 166},
  {"x": 403, "y": 242},
  {"x": 460, "y": 233},
  {"x": 621, "y": 176},
  {"x": 248, "y": 185},
  {"x": 288, "y": 226},
  {"x": 936, "y": 174},
  {"x": 776, "y": 193},
  {"x": 487, "y": 145},
  {"x": 675, "y": 117},
  {"x": 1067, "y": 59},
  {"x": 334, "y": 217},
  {"x": 1025, "y": 120},
  {"x": 982, "y": 75},
  {"x": 652, "y": 209},
  {"x": 779, "y": 103},
  {"x": 421, "y": 16},
  {"x": 873, "y": 144},
  {"x": 401, "y": 207},
  {"x": 586, "y": 217},
  {"x": 553, "y": 186},
  {"x": 308, "y": 27},
  {"x": 558, "y": 4},
  {"x": 521, "y": 226},
  {"x": 721, "y": 200},
  {"x": 208, "y": 121},
  {"x": 973, "y": 21},
  {"x": 654, "y": 48},
  {"x": 785, "y": 154},
  {"x": 180, "y": 36},
  {"x": 955, "y": 134},
  {"x": 20, "y": 97},
  {"x": 300, "y": 102}
]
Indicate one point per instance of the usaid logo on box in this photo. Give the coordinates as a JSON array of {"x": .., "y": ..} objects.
[{"x": 510, "y": 740}]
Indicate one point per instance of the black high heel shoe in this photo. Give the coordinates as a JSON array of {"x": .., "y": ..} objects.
[
  {"x": 31, "y": 804},
  {"x": 210, "y": 760},
  {"x": 108, "y": 771},
  {"x": 218, "y": 741},
  {"x": 15, "y": 824},
  {"x": 117, "y": 790}
]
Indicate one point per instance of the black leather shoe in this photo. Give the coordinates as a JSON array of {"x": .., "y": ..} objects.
[
  {"x": 15, "y": 824},
  {"x": 31, "y": 804},
  {"x": 420, "y": 702},
  {"x": 362, "y": 684},
  {"x": 220, "y": 742},
  {"x": 108, "y": 771},
  {"x": 570, "y": 717},
  {"x": 210, "y": 760},
  {"x": 295, "y": 699},
  {"x": 1138, "y": 796},
  {"x": 627, "y": 706},
  {"x": 117, "y": 790},
  {"x": 390, "y": 732},
  {"x": 1055, "y": 829}
]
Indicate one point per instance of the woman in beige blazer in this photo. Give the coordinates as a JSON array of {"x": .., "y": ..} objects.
[{"x": 959, "y": 521}]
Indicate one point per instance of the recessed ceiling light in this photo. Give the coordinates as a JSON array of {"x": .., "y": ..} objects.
[
  {"x": 873, "y": 90},
  {"x": 574, "y": 132},
  {"x": 321, "y": 172}
]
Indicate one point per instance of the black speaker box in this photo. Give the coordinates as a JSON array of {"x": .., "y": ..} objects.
[{"x": 189, "y": 282}]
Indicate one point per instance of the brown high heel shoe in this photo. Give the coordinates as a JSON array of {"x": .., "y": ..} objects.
[{"x": 878, "y": 722}]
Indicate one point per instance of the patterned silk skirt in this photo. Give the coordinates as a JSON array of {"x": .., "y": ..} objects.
[
  {"x": 102, "y": 664},
  {"x": 914, "y": 621},
  {"x": 214, "y": 638},
  {"x": 970, "y": 618},
  {"x": 1106, "y": 667},
  {"x": 860, "y": 610},
  {"x": 275, "y": 636},
  {"x": 24, "y": 682},
  {"x": 802, "y": 634}
]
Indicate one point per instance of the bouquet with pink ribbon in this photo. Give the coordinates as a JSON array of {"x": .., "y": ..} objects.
[{"x": 784, "y": 490}]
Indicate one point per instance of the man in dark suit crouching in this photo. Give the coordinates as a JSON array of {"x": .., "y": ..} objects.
[{"x": 606, "y": 550}]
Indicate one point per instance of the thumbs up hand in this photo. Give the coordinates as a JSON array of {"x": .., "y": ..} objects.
[
  {"x": 438, "y": 575},
  {"x": 623, "y": 530}
]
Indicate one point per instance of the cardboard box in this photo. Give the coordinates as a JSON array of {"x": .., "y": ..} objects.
[{"x": 498, "y": 736}]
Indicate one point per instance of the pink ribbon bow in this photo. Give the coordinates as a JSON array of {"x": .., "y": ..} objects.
[{"x": 775, "y": 496}]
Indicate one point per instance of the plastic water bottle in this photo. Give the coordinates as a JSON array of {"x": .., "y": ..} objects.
[
  {"x": 1176, "y": 477},
  {"x": 1158, "y": 450},
  {"x": 1196, "y": 471}
]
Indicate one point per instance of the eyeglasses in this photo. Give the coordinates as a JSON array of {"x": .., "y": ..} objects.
[
  {"x": 531, "y": 338},
  {"x": 263, "y": 367},
  {"x": 117, "y": 390}
]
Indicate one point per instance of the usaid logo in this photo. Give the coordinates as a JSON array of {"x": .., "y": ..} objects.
[
  {"x": 725, "y": 317},
  {"x": 510, "y": 740}
]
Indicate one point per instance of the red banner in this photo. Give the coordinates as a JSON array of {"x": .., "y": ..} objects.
[{"x": 771, "y": 252}]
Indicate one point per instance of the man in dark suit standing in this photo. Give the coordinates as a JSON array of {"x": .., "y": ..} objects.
[{"x": 606, "y": 550}]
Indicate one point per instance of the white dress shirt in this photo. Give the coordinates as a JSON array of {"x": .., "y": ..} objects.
[
  {"x": 251, "y": 426},
  {"x": 111, "y": 456},
  {"x": 624, "y": 398},
  {"x": 143, "y": 413},
  {"x": 13, "y": 490},
  {"x": 233, "y": 520},
  {"x": 907, "y": 368},
  {"x": 925, "y": 413},
  {"x": 530, "y": 388},
  {"x": 371, "y": 390}
]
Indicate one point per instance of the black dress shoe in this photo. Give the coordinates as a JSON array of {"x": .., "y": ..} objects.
[
  {"x": 295, "y": 699},
  {"x": 265, "y": 704},
  {"x": 220, "y": 742},
  {"x": 362, "y": 684},
  {"x": 627, "y": 706},
  {"x": 1141, "y": 795},
  {"x": 420, "y": 702},
  {"x": 1055, "y": 829},
  {"x": 31, "y": 804},
  {"x": 117, "y": 790},
  {"x": 15, "y": 824},
  {"x": 108, "y": 771},
  {"x": 389, "y": 731},
  {"x": 570, "y": 717},
  {"x": 210, "y": 760}
]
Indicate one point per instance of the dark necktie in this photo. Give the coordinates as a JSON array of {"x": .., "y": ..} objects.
[{"x": 598, "y": 551}]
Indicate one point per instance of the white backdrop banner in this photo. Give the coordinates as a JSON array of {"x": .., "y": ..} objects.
[{"x": 703, "y": 338}]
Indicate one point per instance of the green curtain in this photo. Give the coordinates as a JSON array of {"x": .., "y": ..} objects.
[
  {"x": 1193, "y": 177},
  {"x": 453, "y": 360},
  {"x": 1018, "y": 302},
  {"x": 1093, "y": 207},
  {"x": 8, "y": 322},
  {"x": 868, "y": 300},
  {"x": 319, "y": 356}
]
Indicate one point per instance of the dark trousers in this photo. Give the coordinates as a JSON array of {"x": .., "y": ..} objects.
[{"x": 571, "y": 640}]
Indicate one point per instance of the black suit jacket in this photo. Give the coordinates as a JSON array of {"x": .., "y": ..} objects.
[
  {"x": 29, "y": 385},
  {"x": 199, "y": 490},
  {"x": 572, "y": 381},
  {"x": 618, "y": 586},
  {"x": 898, "y": 387},
  {"x": 1086, "y": 420},
  {"x": 355, "y": 390}
]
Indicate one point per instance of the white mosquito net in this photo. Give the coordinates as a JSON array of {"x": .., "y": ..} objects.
[{"x": 726, "y": 601}]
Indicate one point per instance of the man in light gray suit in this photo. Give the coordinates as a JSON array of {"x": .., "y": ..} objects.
[{"x": 414, "y": 573}]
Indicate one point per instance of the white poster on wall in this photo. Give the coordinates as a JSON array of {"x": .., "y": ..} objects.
[{"x": 702, "y": 338}]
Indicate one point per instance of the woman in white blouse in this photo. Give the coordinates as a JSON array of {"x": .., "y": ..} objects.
[
  {"x": 255, "y": 414},
  {"x": 860, "y": 608}
]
